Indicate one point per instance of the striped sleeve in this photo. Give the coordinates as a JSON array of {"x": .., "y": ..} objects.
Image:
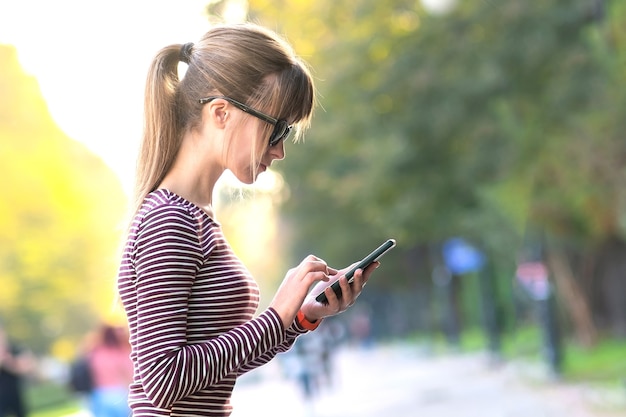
[
  {"x": 292, "y": 334},
  {"x": 167, "y": 257}
]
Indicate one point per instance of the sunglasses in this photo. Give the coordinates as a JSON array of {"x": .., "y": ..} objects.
[{"x": 281, "y": 127}]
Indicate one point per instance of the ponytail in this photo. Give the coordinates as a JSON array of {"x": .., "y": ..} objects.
[{"x": 161, "y": 132}]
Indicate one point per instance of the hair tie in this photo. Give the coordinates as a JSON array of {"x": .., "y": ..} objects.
[{"x": 185, "y": 52}]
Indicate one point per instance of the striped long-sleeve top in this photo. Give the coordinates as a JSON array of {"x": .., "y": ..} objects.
[{"x": 190, "y": 305}]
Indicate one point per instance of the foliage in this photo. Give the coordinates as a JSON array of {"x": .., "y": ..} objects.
[
  {"x": 476, "y": 123},
  {"x": 60, "y": 221},
  {"x": 443, "y": 120}
]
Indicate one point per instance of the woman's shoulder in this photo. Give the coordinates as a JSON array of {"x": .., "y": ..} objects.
[
  {"x": 164, "y": 203},
  {"x": 163, "y": 199},
  {"x": 164, "y": 209}
]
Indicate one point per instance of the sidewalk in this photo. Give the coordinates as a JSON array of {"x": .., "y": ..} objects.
[{"x": 398, "y": 382}]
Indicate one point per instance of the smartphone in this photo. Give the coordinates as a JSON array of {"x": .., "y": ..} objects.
[{"x": 365, "y": 262}]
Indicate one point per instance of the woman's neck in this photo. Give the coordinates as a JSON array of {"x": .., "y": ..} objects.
[{"x": 193, "y": 175}]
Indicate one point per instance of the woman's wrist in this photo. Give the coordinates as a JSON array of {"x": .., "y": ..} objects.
[{"x": 305, "y": 322}]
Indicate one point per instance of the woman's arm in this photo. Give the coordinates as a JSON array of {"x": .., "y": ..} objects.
[{"x": 292, "y": 334}]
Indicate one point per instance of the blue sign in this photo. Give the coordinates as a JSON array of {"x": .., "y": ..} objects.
[{"x": 461, "y": 257}]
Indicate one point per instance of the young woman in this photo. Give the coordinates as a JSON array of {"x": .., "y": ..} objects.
[{"x": 190, "y": 302}]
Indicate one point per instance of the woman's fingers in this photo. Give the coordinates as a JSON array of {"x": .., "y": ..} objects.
[
  {"x": 349, "y": 293},
  {"x": 295, "y": 287},
  {"x": 293, "y": 293}
]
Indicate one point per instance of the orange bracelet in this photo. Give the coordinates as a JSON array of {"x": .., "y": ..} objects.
[{"x": 305, "y": 323}]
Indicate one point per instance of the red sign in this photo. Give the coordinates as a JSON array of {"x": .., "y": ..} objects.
[{"x": 534, "y": 278}]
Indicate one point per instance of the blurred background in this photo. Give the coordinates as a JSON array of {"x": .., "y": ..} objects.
[{"x": 485, "y": 136}]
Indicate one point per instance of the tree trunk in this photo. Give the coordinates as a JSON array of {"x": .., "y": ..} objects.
[
  {"x": 612, "y": 285},
  {"x": 574, "y": 300}
]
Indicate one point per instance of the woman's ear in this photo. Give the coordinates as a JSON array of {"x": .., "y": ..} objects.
[{"x": 216, "y": 111}]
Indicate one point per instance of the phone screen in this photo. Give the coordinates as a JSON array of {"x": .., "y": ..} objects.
[{"x": 365, "y": 262}]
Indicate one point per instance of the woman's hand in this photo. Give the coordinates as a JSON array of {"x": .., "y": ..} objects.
[
  {"x": 295, "y": 286},
  {"x": 314, "y": 310}
]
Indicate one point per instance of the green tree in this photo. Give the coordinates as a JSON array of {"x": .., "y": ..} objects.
[
  {"x": 476, "y": 123},
  {"x": 61, "y": 216}
]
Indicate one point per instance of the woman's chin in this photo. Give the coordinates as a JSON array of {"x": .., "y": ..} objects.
[{"x": 249, "y": 177}]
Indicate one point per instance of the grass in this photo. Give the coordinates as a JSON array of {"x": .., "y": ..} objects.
[
  {"x": 603, "y": 363},
  {"x": 48, "y": 399},
  {"x": 60, "y": 410}
]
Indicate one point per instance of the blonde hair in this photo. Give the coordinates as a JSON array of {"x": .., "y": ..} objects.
[{"x": 245, "y": 62}]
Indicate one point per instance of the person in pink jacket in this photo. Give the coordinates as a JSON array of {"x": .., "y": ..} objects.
[{"x": 111, "y": 371}]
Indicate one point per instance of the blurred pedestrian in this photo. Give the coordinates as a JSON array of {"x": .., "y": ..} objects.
[
  {"x": 111, "y": 372},
  {"x": 331, "y": 335},
  {"x": 312, "y": 363},
  {"x": 309, "y": 350},
  {"x": 80, "y": 379},
  {"x": 190, "y": 302},
  {"x": 15, "y": 364},
  {"x": 361, "y": 327}
]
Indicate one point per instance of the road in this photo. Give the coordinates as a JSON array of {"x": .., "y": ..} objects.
[{"x": 400, "y": 382}]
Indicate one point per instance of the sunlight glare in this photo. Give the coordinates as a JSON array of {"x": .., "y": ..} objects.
[
  {"x": 439, "y": 7},
  {"x": 91, "y": 59},
  {"x": 235, "y": 11}
]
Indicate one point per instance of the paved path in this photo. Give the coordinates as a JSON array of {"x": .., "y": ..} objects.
[{"x": 398, "y": 382}]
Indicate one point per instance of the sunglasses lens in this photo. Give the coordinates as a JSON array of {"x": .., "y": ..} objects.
[{"x": 281, "y": 131}]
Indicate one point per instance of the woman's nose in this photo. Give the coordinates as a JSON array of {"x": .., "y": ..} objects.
[{"x": 277, "y": 151}]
